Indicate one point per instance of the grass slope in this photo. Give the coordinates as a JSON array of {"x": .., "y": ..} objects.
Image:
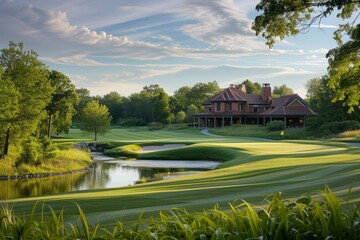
[{"x": 252, "y": 169}]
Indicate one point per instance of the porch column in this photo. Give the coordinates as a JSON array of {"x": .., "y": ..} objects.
[
  {"x": 194, "y": 122},
  {"x": 304, "y": 125},
  {"x": 214, "y": 122},
  {"x": 285, "y": 122},
  {"x": 206, "y": 123},
  {"x": 223, "y": 120},
  {"x": 199, "y": 122},
  {"x": 231, "y": 121}
]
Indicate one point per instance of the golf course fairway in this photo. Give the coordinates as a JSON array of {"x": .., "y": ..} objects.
[{"x": 251, "y": 169}]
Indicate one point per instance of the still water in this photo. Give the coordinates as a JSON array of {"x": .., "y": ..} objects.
[{"x": 107, "y": 174}]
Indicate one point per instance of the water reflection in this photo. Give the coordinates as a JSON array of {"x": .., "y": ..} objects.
[{"x": 105, "y": 175}]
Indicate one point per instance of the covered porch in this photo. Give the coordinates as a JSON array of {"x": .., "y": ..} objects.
[{"x": 223, "y": 121}]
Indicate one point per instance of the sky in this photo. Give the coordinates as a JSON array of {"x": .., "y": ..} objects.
[{"x": 124, "y": 45}]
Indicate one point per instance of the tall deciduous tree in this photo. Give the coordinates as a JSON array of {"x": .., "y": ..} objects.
[
  {"x": 282, "y": 90},
  {"x": 113, "y": 101},
  {"x": 326, "y": 110},
  {"x": 29, "y": 80},
  {"x": 251, "y": 88},
  {"x": 282, "y": 18},
  {"x": 95, "y": 118},
  {"x": 61, "y": 107}
]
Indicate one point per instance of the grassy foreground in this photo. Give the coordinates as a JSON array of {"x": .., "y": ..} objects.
[
  {"x": 306, "y": 218},
  {"x": 251, "y": 170}
]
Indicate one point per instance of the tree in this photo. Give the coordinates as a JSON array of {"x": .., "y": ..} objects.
[
  {"x": 191, "y": 110},
  {"x": 282, "y": 90},
  {"x": 8, "y": 107},
  {"x": 83, "y": 98},
  {"x": 251, "y": 88},
  {"x": 326, "y": 110},
  {"x": 181, "y": 99},
  {"x": 201, "y": 92},
  {"x": 180, "y": 117},
  {"x": 27, "y": 83},
  {"x": 95, "y": 118},
  {"x": 344, "y": 72},
  {"x": 61, "y": 107},
  {"x": 283, "y": 18},
  {"x": 312, "y": 87},
  {"x": 113, "y": 101},
  {"x": 161, "y": 109}
]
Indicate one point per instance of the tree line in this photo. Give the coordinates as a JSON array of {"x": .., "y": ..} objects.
[{"x": 37, "y": 102}]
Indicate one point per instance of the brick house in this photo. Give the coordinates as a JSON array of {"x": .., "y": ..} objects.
[{"x": 234, "y": 106}]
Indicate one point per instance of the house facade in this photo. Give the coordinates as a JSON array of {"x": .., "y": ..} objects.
[{"x": 235, "y": 106}]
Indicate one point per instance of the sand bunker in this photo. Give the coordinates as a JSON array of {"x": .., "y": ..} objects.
[{"x": 161, "y": 147}]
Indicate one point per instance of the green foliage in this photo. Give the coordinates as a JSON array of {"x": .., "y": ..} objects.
[
  {"x": 132, "y": 122},
  {"x": 113, "y": 101},
  {"x": 283, "y": 18},
  {"x": 344, "y": 73},
  {"x": 191, "y": 110},
  {"x": 61, "y": 107},
  {"x": 95, "y": 118},
  {"x": 275, "y": 125},
  {"x": 31, "y": 150},
  {"x": 305, "y": 218},
  {"x": 251, "y": 88},
  {"x": 282, "y": 90},
  {"x": 326, "y": 110},
  {"x": 180, "y": 117},
  {"x": 338, "y": 127},
  {"x": 26, "y": 81}
]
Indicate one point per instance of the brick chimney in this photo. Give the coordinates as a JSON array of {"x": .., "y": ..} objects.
[
  {"x": 266, "y": 92},
  {"x": 243, "y": 88},
  {"x": 231, "y": 85}
]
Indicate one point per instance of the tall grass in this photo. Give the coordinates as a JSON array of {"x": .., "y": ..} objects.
[{"x": 305, "y": 218}]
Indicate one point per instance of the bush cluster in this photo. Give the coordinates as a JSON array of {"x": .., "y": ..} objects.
[
  {"x": 131, "y": 122},
  {"x": 338, "y": 127},
  {"x": 275, "y": 125}
]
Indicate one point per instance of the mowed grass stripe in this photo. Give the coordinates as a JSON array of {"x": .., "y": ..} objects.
[{"x": 252, "y": 171}]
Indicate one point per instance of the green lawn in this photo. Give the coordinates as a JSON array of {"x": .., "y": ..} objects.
[{"x": 251, "y": 170}]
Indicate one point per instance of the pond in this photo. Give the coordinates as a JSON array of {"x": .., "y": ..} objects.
[{"x": 109, "y": 173}]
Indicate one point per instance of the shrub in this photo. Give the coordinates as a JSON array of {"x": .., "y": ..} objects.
[
  {"x": 339, "y": 127},
  {"x": 132, "y": 122},
  {"x": 31, "y": 150},
  {"x": 275, "y": 125}
]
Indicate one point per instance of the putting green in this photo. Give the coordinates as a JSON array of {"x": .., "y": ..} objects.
[{"x": 252, "y": 169}]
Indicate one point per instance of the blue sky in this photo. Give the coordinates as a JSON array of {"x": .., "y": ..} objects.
[{"x": 113, "y": 45}]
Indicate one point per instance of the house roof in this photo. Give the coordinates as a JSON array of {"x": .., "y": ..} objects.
[
  {"x": 232, "y": 94},
  {"x": 285, "y": 105}
]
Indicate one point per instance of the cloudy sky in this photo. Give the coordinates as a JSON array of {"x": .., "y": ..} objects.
[{"x": 123, "y": 45}]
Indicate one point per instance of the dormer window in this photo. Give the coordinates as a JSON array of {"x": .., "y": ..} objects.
[
  {"x": 240, "y": 107},
  {"x": 218, "y": 107}
]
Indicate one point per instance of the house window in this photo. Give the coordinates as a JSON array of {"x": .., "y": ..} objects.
[
  {"x": 229, "y": 106},
  {"x": 218, "y": 107},
  {"x": 240, "y": 107},
  {"x": 255, "y": 109}
]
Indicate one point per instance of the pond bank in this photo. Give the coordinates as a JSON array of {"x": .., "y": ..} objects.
[{"x": 43, "y": 175}]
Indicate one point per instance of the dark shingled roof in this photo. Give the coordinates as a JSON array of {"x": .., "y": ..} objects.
[
  {"x": 278, "y": 107},
  {"x": 232, "y": 94}
]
